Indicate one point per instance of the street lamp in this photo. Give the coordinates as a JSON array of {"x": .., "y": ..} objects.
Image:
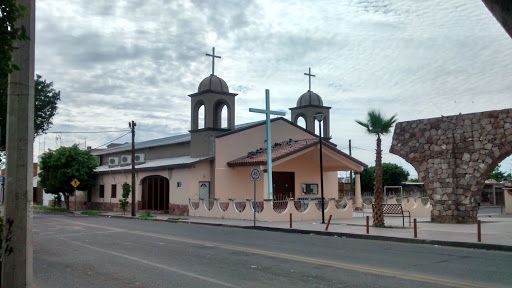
[{"x": 320, "y": 117}]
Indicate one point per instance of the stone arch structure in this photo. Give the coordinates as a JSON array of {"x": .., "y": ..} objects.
[{"x": 453, "y": 155}]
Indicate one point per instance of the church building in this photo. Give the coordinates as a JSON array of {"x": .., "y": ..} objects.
[{"x": 207, "y": 171}]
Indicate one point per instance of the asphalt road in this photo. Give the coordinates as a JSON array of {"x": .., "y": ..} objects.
[{"x": 109, "y": 252}]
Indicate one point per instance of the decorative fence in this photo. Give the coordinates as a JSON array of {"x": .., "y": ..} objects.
[{"x": 270, "y": 210}]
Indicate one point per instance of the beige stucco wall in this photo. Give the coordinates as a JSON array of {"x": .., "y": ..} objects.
[
  {"x": 188, "y": 176},
  {"x": 236, "y": 182},
  {"x": 307, "y": 170}
]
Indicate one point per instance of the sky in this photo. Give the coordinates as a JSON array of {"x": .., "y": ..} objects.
[{"x": 117, "y": 61}]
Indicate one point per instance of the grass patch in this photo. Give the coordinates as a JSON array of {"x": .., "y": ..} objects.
[
  {"x": 90, "y": 213},
  {"x": 48, "y": 209},
  {"x": 175, "y": 219},
  {"x": 146, "y": 216}
]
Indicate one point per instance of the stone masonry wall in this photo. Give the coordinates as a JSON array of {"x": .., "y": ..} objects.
[{"x": 453, "y": 155}]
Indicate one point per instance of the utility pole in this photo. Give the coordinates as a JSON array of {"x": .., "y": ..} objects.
[
  {"x": 17, "y": 265},
  {"x": 132, "y": 127},
  {"x": 350, "y": 153}
]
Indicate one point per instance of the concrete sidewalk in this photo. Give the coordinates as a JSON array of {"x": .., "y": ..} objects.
[{"x": 496, "y": 229}]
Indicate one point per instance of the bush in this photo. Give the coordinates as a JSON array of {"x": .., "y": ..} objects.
[
  {"x": 146, "y": 216},
  {"x": 57, "y": 201},
  {"x": 126, "y": 193}
]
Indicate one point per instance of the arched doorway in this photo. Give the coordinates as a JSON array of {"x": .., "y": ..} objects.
[{"x": 155, "y": 193}]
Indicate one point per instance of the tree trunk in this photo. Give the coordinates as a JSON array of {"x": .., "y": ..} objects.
[
  {"x": 66, "y": 200},
  {"x": 378, "y": 213}
]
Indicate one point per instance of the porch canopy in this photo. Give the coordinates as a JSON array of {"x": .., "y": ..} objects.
[{"x": 333, "y": 158}]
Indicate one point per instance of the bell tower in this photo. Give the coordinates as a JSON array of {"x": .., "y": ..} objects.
[
  {"x": 308, "y": 105},
  {"x": 213, "y": 97}
]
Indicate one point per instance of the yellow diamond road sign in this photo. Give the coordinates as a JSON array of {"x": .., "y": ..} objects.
[{"x": 75, "y": 182}]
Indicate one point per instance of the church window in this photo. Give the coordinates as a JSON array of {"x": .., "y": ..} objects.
[
  {"x": 113, "y": 193},
  {"x": 310, "y": 188}
]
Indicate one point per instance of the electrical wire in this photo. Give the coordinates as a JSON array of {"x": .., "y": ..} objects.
[
  {"x": 85, "y": 132},
  {"x": 112, "y": 140}
]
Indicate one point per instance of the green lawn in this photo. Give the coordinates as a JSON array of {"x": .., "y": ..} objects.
[
  {"x": 48, "y": 209},
  {"x": 90, "y": 212}
]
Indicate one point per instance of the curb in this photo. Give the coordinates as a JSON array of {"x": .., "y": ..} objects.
[{"x": 470, "y": 245}]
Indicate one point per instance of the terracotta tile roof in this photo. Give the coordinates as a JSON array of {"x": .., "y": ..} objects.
[
  {"x": 279, "y": 151},
  {"x": 282, "y": 150}
]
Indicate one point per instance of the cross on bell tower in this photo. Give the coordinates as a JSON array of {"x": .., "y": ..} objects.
[
  {"x": 213, "y": 59},
  {"x": 308, "y": 105},
  {"x": 309, "y": 76}
]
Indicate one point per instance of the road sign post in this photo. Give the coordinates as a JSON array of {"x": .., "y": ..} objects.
[
  {"x": 255, "y": 175},
  {"x": 75, "y": 184}
]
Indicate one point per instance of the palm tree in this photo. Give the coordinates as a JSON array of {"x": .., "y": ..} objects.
[{"x": 377, "y": 124}]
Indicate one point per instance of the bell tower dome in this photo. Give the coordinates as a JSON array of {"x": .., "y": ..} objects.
[
  {"x": 213, "y": 96},
  {"x": 308, "y": 105}
]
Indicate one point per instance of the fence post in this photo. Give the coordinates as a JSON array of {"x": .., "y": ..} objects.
[
  {"x": 328, "y": 223},
  {"x": 290, "y": 220},
  {"x": 415, "y": 229},
  {"x": 367, "y": 224},
  {"x": 479, "y": 230}
]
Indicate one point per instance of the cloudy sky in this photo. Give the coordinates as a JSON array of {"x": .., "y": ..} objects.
[{"x": 115, "y": 61}]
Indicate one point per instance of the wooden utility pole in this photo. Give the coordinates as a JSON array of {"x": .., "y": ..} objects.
[
  {"x": 132, "y": 127},
  {"x": 17, "y": 246}
]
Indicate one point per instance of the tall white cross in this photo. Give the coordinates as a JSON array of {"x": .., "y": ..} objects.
[{"x": 267, "y": 113}]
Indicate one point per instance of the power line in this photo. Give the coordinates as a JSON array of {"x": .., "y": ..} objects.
[
  {"x": 113, "y": 140},
  {"x": 85, "y": 132}
]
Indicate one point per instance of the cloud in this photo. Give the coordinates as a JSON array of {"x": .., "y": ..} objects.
[{"x": 115, "y": 61}]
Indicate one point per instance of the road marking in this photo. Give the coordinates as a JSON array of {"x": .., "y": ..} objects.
[
  {"x": 341, "y": 265},
  {"x": 54, "y": 234},
  {"x": 146, "y": 262}
]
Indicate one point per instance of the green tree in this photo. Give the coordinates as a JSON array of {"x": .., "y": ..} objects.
[
  {"x": 392, "y": 175},
  {"x": 377, "y": 124},
  {"x": 123, "y": 202},
  {"x": 497, "y": 174},
  {"x": 45, "y": 107},
  {"x": 59, "y": 167},
  {"x": 46, "y": 99}
]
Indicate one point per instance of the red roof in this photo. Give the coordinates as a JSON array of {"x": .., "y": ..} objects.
[{"x": 281, "y": 150}]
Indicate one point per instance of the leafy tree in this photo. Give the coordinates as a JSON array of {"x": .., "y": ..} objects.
[
  {"x": 10, "y": 12},
  {"x": 45, "y": 107},
  {"x": 46, "y": 99},
  {"x": 123, "y": 202},
  {"x": 59, "y": 167},
  {"x": 392, "y": 175},
  {"x": 378, "y": 125},
  {"x": 497, "y": 174}
]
